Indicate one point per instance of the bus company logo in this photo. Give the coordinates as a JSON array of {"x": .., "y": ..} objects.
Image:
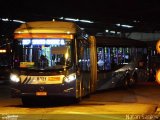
[
  {"x": 41, "y": 88},
  {"x": 158, "y": 46}
]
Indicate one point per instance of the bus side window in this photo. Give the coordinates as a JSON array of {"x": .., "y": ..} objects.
[{"x": 84, "y": 56}]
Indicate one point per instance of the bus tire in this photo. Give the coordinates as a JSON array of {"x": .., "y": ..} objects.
[
  {"x": 135, "y": 78},
  {"x": 126, "y": 82}
]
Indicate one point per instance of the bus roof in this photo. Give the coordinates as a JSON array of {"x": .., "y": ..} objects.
[
  {"x": 119, "y": 42},
  {"x": 47, "y": 27}
]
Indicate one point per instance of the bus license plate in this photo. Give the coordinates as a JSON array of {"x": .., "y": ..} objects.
[
  {"x": 41, "y": 93},
  {"x": 41, "y": 78}
]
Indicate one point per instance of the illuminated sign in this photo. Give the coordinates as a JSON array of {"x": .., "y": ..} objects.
[
  {"x": 38, "y": 41},
  {"x": 26, "y": 41},
  {"x": 43, "y": 42},
  {"x": 55, "y": 42}
]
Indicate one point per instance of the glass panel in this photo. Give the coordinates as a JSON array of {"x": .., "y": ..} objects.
[
  {"x": 126, "y": 55},
  {"x": 113, "y": 57},
  {"x": 45, "y": 53},
  {"x": 120, "y": 56},
  {"x": 107, "y": 58},
  {"x": 100, "y": 58},
  {"x": 84, "y": 56}
]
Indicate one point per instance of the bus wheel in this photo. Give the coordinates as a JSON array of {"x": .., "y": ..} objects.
[
  {"x": 135, "y": 78},
  {"x": 126, "y": 82}
]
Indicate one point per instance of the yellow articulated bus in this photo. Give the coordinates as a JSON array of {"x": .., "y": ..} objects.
[{"x": 53, "y": 58}]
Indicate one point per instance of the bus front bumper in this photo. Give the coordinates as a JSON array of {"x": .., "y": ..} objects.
[{"x": 62, "y": 90}]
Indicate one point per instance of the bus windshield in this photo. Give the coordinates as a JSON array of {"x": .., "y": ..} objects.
[{"x": 44, "y": 53}]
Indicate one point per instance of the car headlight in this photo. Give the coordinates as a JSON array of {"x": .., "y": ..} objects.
[
  {"x": 70, "y": 78},
  {"x": 14, "y": 77}
]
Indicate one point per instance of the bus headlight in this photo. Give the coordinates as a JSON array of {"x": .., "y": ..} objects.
[
  {"x": 14, "y": 77},
  {"x": 70, "y": 78}
]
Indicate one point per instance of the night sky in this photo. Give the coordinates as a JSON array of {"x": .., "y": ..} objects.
[
  {"x": 104, "y": 13},
  {"x": 101, "y": 10}
]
